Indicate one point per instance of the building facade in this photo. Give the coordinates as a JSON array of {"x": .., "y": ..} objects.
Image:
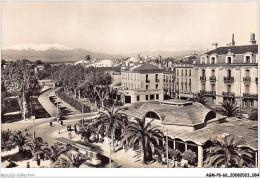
[
  {"x": 185, "y": 85},
  {"x": 168, "y": 84},
  {"x": 142, "y": 84},
  {"x": 230, "y": 73}
]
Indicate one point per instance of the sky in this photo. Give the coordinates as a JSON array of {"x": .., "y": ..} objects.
[{"x": 128, "y": 27}]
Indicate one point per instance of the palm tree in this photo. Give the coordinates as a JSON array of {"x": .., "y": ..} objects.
[
  {"x": 110, "y": 120},
  {"x": 229, "y": 109},
  {"x": 227, "y": 154},
  {"x": 72, "y": 159},
  {"x": 36, "y": 146},
  {"x": 86, "y": 131},
  {"x": 142, "y": 134},
  {"x": 254, "y": 115},
  {"x": 200, "y": 98},
  {"x": 19, "y": 138},
  {"x": 54, "y": 151}
]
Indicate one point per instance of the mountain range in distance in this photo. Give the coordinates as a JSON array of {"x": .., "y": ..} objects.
[{"x": 60, "y": 53}]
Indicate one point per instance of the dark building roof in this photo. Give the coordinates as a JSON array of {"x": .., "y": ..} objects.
[
  {"x": 147, "y": 67},
  {"x": 234, "y": 49}
]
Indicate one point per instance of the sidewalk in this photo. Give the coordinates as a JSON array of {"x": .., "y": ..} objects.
[{"x": 121, "y": 158}]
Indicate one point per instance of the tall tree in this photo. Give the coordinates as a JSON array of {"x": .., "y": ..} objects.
[
  {"x": 226, "y": 154},
  {"x": 142, "y": 134},
  {"x": 36, "y": 146},
  {"x": 110, "y": 120},
  {"x": 19, "y": 138}
]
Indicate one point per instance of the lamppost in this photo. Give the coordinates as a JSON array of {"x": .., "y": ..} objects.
[
  {"x": 33, "y": 118},
  {"x": 167, "y": 150}
]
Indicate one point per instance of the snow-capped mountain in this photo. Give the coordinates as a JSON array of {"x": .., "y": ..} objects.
[
  {"x": 38, "y": 47},
  {"x": 51, "y": 52}
]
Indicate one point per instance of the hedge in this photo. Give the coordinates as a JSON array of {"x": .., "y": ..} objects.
[{"x": 73, "y": 102}]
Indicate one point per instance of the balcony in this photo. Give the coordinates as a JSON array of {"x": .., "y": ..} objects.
[
  {"x": 212, "y": 78},
  {"x": 256, "y": 80},
  {"x": 250, "y": 95},
  {"x": 246, "y": 79},
  {"x": 157, "y": 80},
  {"x": 228, "y": 94},
  {"x": 228, "y": 79},
  {"x": 147, "y": 81},
  {"x": 208, "y": 93}
]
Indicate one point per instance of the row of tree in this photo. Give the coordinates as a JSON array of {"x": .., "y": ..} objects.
[{"x": 80, "y": 81}]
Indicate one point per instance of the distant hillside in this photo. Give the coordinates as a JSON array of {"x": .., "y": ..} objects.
[{"x": 54, "y": 55}]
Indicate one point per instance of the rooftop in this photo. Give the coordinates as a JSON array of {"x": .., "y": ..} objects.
[
  {"x": 242, "y": 130},
  {"x": 147, "y": 67},
  {"x": 179, "y": 112},
  {"x": 234, "y": 49}
]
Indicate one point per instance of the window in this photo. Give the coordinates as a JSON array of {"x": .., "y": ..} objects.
[
  {"x": 131, "y": 76},
  {"x": 182, "y": 88},
  {"x": 190, "y": 72},
  {"x": 203, "y": 87},
  {"x": 229, "y": 88},
  {"x": 137, "y": 98},
  {"x": 186, "y": 89},
  {"x": 131, "y": 86},
  {"x": 213, "y": 60},
  {"x": 146, "y": 77},
  {"x": 229, "y": 60},
  {"x": 181, "y": 72},
  {"x": 156, "y": 76},
  {"x": 247, "y": 59},
  {"x": 128, "y": 76},
  {"x": 157, "y": 96},
  {"x": 91, "y": 154},
  {"x": 203, "y": 73},
  {"x": 146, "y": 97},
  {"x": 247, "y": 73},
  {"x": 156, "y": 86},
  {"x": 147, "y": 86},
  {"x": 151, "y": 97},
  {"x": 185, "y": 72},
  {"x": 177, "y": 72},
  {"x": 213, "y": 87},
  {"x": 190, "y": 82},
  {"x": 247, "y": 88},
  {"x": 138, "y": 86},
  {"x": 134, "y": 76},
  {"x": 229, "y": 73},
  {"x": 212, "y": 72}
]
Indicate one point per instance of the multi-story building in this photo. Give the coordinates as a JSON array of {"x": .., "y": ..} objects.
[
  {"x": 230, "y": 73},
  {"x": 168, "y": 84},
  {"x": 185, "y": 85},
  {"x": 142, "y": 84}
]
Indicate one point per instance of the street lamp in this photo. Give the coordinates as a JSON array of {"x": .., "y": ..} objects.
[{"x": 33, "y": 118}]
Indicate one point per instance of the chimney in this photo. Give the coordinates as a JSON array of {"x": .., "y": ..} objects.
[
  {"x": 233, "y": 40},
  {"x": 215, "y": 44},
  {"x": 252, "y": 40}
]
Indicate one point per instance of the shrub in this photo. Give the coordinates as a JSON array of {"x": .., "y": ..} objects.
[
  {"x": 73, "y": 102},
  {"x": 176, "y": 154},
  {"x": 190, "y": 156}
]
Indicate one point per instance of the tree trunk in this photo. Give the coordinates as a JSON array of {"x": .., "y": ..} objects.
[
  {"x": 113, "y": 140},
  {"x": 143, "y": 153}
]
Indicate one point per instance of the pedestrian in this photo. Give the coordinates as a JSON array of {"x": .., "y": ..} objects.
[
  {"x": 28, "y": 164},
  {"x": 38, "y": 160}
]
